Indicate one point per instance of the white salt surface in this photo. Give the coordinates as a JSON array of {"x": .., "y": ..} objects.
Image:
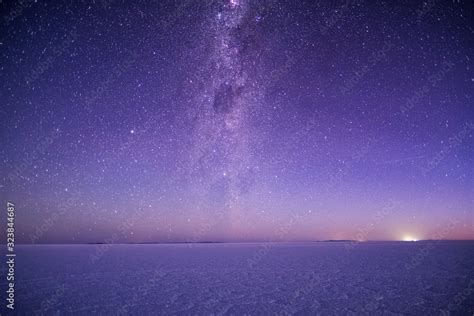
[{"x": 376, "y": 278}]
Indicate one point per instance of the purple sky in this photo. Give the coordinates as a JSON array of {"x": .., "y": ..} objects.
[{"x": 213, "y": 120}]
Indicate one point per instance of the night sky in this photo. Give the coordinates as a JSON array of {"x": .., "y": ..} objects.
[{"x": 237, "y": 120}]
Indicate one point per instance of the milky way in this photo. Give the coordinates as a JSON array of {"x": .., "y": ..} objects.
[
  {"x": 237, "y": 120},
  {"x": 224, "y": 138}
]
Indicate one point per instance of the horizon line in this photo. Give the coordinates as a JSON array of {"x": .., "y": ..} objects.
[{"x": 240, "y": 242}]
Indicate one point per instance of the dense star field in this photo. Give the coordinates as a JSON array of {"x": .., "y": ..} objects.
[{"x": 237, "y": 120}]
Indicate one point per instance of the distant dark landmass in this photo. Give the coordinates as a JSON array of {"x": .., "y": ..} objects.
[{"x": 339, "y": 240}]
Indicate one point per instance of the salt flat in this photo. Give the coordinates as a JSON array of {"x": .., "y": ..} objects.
[{"x": 327, "y": 278}]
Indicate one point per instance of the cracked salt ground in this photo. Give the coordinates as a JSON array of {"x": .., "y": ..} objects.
[{"x": 300, "y": 279}]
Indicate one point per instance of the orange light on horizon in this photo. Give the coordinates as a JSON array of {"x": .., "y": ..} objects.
[{"x": 409, "y": 238}]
